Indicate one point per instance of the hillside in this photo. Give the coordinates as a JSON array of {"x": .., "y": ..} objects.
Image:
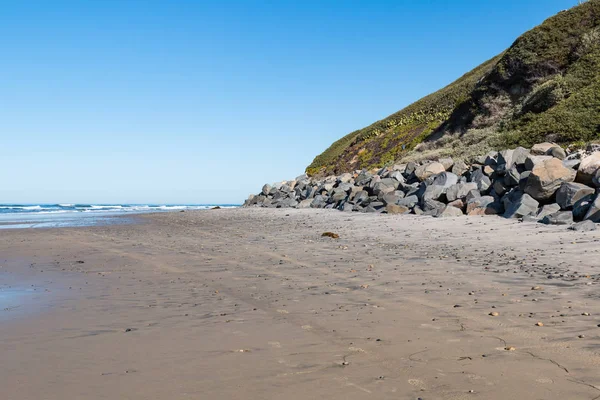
[{"x": 545, "y": 87}]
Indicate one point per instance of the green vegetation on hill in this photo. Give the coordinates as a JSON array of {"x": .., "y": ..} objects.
[{"x": 546, "y": 86}]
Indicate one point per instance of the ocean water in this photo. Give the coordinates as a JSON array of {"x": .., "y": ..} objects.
[{"x": 16, "y": 216}]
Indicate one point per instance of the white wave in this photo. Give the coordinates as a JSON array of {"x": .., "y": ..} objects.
[
  {"x": 95, "y": 207},
  {"x": 66, "y": 205},
  {"x": 32, "y": 208}
]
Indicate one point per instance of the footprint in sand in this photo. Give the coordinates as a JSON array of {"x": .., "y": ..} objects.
[
  {"x": 544, "y": 380},
  {"x": 283, "y": 311},
  {"x": 306, "y": 327},
  {"x": 416, "y": 382},
  {"x": 277, "y": 345}
]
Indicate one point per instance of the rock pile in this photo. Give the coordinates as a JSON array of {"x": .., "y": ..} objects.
[{"x": 545, "y": 183}]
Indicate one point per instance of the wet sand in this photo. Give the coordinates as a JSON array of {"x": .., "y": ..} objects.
[{"x": 255, "y": 304}]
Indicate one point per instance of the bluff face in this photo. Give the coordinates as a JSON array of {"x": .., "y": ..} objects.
[{"x": 545, "y": 87}]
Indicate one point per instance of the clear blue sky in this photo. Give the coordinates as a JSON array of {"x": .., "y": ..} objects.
[{"x": 204, "y": 101}]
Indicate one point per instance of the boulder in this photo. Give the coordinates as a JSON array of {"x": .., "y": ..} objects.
[
  {"x": 346, "y": 206},
  {"x": 457, "y": 203},
  {"x": 523, "y": 180},
  {"x": 499, "y": 187},
  {"x": 382, "y": 187},
  {"x": 546, "y": 178},
  {"x": 397, "y": 175},
  {"x": 483, "y": 182},
  {"x": 433, "y": 192},
  {"x": 318, "y": 202},
  {"x": 479, "y": 202},
  {"x": 504, "y": 161},
  {"x": 408, "y": 201},
  {"x": 450, "y": 212},
  {"x": 558, "y": 218},
  {"x": 519, "y": 156},
  {"x": 541, "y": 149},
  {"x": 344, "y": 178},
  {"x": 338, "y": 194},
  {"x": 581, "y": 208},
  {"x": 459, "y": 168},
  {"x": 266, "y": 189},
  {"x": 363, "y": 179},
  {"x": 392, "y": 198},
  {"x": 472, "y": 194},
  {"x": 546, "y": 210},
  {"x": 288, "y": 202},
  {"x": 460, "y": 190},
  {"x": 570, "y": 193},
  {"x": 531, "y": 161},
  {"x": 433, "y": 207},
  {"x": 512, "y": 177},
  {"x": 587, "y": 168},
  {"x": 520, "y": 207},
  {"x": 424, "y": 171},
  {"x": 583, "y": 226},
  {"x": 396, "y": 209},
  {"x": 557, "y": 152},
  {"x": 360, "y": 197},
  {"x": 410, "y": 169},
  {"x": 447, "y": 162},
  {"x": 593, "y": 213},
  {"x": 305, "y": 203}
]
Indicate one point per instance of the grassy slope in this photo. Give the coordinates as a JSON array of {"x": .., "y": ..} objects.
[{"x": 545, "y": 86}]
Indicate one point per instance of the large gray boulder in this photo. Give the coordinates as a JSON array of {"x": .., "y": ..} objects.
[
  {"x": 397, "y": 175},
  {"x": 546, "y": 178},
  {"x": 363, "y": 179},
  {"x": 588, "y": 168},
  {"x": 266, "y": 189},
  {"x": 408, "y": 201},
  {"x": 360, "y": 197},
  {"x": 344, "y": 178},
  {"x": 439, "y": 185},
  {"x": 570, "y": 193},
  {"x": 433, "y": 207},
  {"x": 483, "y": 181},
  {"x": 319, "y": 201},
  {"x": 519, "y": 156},
  {"x": 460, "y": 190},
  {"x": 392, "y": 197},
  {"x": 338, "y": 194},
  {"x": 524, "y": 205},
  {"x": 383, "y": 187},
  {"x": 504, "y": 161},
  {"x": 593, "y": 213},
  {"x": 546, "y": 210},
  {"x": 558, "y": 218}
]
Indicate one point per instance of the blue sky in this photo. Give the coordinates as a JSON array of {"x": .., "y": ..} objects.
[{"x": 204, "y": 101}]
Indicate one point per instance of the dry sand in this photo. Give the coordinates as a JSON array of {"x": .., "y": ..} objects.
[{"x": 255, "y": 304}]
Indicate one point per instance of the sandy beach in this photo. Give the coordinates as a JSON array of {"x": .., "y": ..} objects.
[{"x": 256, "y": 304}]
